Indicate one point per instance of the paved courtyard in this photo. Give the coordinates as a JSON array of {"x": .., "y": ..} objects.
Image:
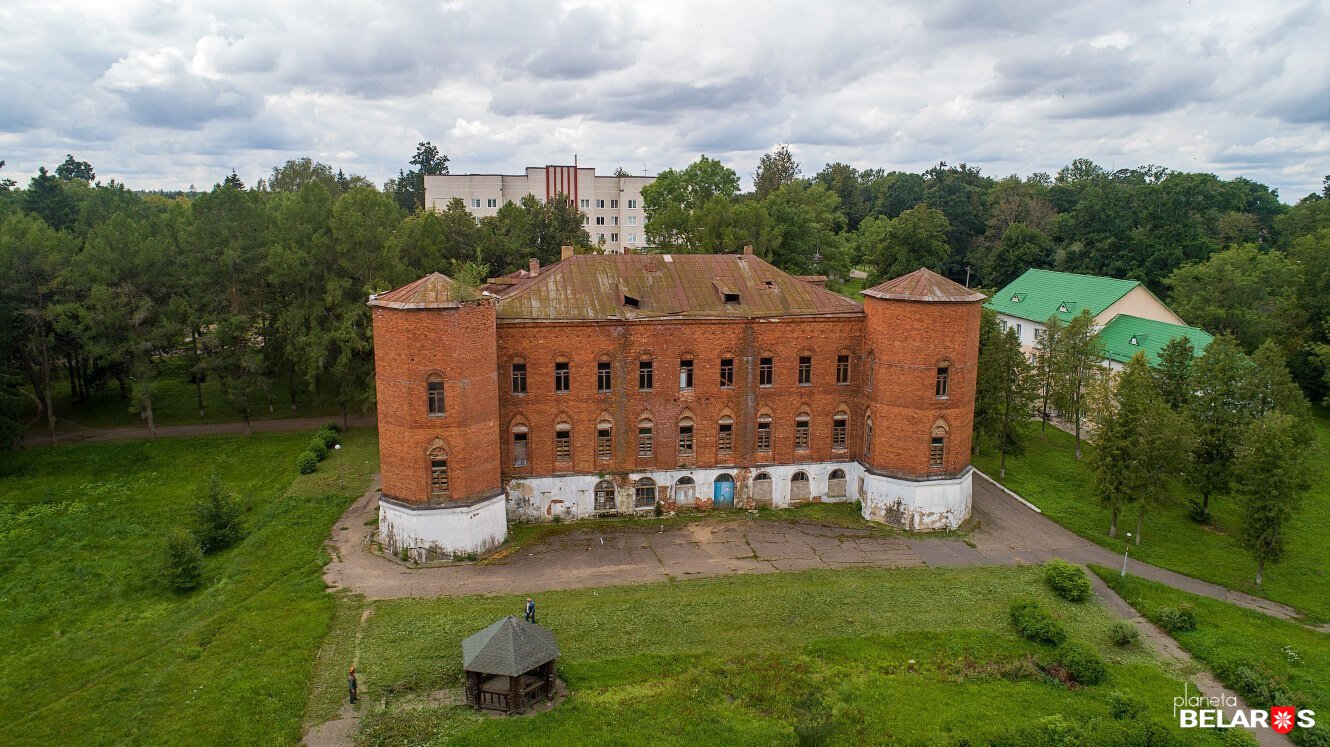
[{"x": 1006, "y": 532}]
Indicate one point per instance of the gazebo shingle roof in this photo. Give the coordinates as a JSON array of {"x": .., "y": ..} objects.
[{"x": 509, "y": 647}]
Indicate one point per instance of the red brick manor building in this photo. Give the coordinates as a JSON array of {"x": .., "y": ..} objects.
[{"x": 609, "y": 384}]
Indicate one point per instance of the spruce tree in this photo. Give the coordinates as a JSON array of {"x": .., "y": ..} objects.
[
  {"x": 1271, "y": 476},
  {"x": 1219, "y": 411}
]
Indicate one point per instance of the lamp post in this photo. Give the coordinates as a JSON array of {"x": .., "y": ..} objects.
[
  {"x": 341, "y": 481},
  {"x": 1126, "y": 546}
]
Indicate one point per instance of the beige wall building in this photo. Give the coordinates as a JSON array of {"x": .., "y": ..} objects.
[{"x": 612, "y": 204}]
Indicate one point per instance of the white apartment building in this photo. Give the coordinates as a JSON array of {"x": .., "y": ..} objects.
[{"x": 612, "y": 204}]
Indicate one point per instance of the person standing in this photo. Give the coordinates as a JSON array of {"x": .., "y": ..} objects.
[
  {"x": 530, "y": 610},
  {"x": 351, "y": 684}
]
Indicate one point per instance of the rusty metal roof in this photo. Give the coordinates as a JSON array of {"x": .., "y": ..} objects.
[
  {"x": 664, "y": 286},
  {"x": 434, "y": 291},
  {"x": 924, "y": 285}
]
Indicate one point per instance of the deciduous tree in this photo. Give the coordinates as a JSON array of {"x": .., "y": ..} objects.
[{"x": 1271, "y": 477}]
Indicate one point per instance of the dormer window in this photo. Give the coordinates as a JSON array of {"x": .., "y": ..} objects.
[
  {"x": 1017, "y": 297},
  {"x": 1062, "y": 307},
  {"x": 631, "y": 302},
  {"x": 769, "y": 283},
  {"x": 731, "y": 298},
  {"x": 1134, "y": 341}
]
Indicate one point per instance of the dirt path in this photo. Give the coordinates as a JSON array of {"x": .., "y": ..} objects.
[
  {"x": 1008, "y": 533},
  {"x": 94, "y": 435}
]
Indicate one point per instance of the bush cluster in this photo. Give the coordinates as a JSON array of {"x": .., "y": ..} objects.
[
  {"x": 319, "y": 446},
  {"x": 1067, "y": 581},
  {"x": 1036, "y": 624},
  {"x": 218, "y": 518},
  {"x": 1123, "y": 633},
  {"x": 307, "y": 462},
  {"x": 182, "y": 561},
  {"x": 1124, "y": 705},
  {"x": 1082, "y": 662},
  {"x": 1176, "y": 619}
]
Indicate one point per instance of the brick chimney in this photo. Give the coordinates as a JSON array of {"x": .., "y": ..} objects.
[
  {"x": 748, "y": 249},
  {"x": 565, "y": 252},
  {"x": 535, "y": 267}
]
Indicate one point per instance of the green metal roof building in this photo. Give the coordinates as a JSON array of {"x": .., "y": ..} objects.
[{"x": 1130, "y": 318}]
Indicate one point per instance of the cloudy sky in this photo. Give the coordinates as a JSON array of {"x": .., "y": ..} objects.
[{"x": 168, "y": 94}]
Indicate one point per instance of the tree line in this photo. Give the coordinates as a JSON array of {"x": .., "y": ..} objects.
[
  {"x": 1228, "y": 424},
  {"x": 99, "y": 283}
]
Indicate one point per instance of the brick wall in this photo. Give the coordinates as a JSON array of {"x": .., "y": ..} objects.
[
  {"x": 541, "y": 344},
  {"x": 909, "y": 340},
  {"x": 460, "y": 346}
]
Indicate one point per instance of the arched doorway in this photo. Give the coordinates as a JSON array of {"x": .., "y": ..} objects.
[
  {"x": 800, "y": 487},
  {"x": 684, "y": 491},
  {"x": 836, "y": 484},
  {"x": 723, "y": 492},
  {"x": 644, "y": 494},
  {"x": 762, "y": 489}
]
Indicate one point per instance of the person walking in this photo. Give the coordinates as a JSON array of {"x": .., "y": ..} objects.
[
  {"x": 530, "y": 610},
  {"x": 351, "y": 684}
]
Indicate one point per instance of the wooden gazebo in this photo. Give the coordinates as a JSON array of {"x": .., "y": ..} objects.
[{"x": 509, "y": 666}]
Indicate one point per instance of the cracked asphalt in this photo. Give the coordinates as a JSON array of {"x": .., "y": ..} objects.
[{"x": 1007, "y": 532}]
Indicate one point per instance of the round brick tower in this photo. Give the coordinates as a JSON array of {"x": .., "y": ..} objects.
[
  {"x": 921, "y": 343},
  {"x": 436, "y": 381}
]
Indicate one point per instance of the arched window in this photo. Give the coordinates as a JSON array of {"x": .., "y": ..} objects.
[
  {"x": 563, "y": 442},
  {"x": 645, "y": 442},
  {"x": 644, "y": 493},
  {"x": 763, "y": 433},
  {"x": 604, "y": 440},
  {"x": 868, "y": 435},
  {"x": 725, "y": 435},
  {"x": 438, "y": 473},
  {"x": 942, "y": 384},
  {"x": 836, "y": 484},
  {"x": 937, "y": 447},
  {"x": 605, "y": 496},
  {"x": 799, "y": 476},
  {"x": 434, "y": 394},
  {"x": 521, "y": 447},
  {"x": 840, "y": 426},
  {"x": 801, "y": 432},
  {"x": 685, "y": 436},
  {"x": 837, "y": 474},
  {"x": 762, "y": 477}
]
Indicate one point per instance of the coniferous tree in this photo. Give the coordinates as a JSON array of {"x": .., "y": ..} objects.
[
  {"x": 1174, "y": 372},
  {"x": 1137, "y": 447},
  {"x": 1080, "y": 353},
  {"x": 1005, "y": 392},
  {"x": 1048, "y": 348},
  {"x": 1271, "y": 477},
  {"x": 1219, "y": 412}
]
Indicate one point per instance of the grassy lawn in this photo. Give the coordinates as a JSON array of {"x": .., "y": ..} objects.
[
  {"x": 1245, "y": 648},
  {"x": 173, "y": 404},
  {"x": 94, "y": 651},
  {"x": 920, "y": 656},
  {"x": 1049, "y": 476}
]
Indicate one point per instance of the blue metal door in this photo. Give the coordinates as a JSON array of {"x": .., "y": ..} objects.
[{"x": 723, "y": 494}]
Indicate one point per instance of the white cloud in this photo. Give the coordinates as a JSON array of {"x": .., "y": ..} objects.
[{"x": 167, "y": 94}]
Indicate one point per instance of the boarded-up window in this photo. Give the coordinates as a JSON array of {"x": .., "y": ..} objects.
[
  {"x": 836, "y": 484},
  {"x": 937, "y": 447},
  {"x": 521, "y": 455},
  {"x": 725, "y": 435},
  {"x": 605, "y": 496},
  {"x": 686, "y": 437},
  {"x": 563, "y": 442},
  {"x": 438, "y": 473},
  {"x": 604, "y": 440},
  {"x": 801, "y": 433},
  {"x": 839, "y": 429},
  {"x": 645, "y": 445},
  {"x": 763, "y": 434}
]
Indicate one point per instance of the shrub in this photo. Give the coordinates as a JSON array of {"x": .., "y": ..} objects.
[
  {"x": 1123, "y": 633},
  {"x": 1176, "y": 619},
  {"x": 1082, "y": 663},
  {"x": 317, "y": 448},
  {"x": 307, "y": 462},
  {"x": 328, "y": 436},
  {"x": 182, "y": 561},
  {"x": 1036, "y": 624},
  {"x": 1260, "y": 689},
  {"x": 1067, "y": 580},
  {"x": 1124, "y": 705},
  {"x": 218, "y": 522},
  {"x": 332, "y": 425}
]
